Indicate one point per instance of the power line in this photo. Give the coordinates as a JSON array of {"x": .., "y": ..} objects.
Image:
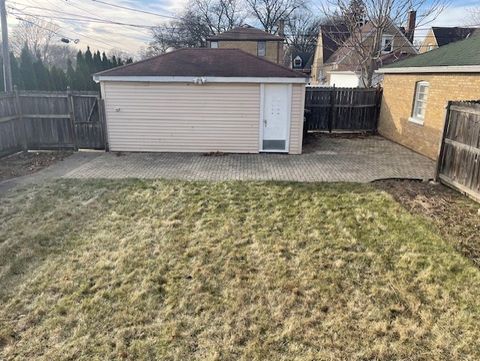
[
  {"x": 72, "y": 31},
  {"x": 137, "y": 10},
  {"x": 81, "y": 18}
]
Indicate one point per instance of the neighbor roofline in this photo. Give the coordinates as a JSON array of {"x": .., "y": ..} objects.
[
  {"x": 431, "y": 69},
  {"x": 279, "y": 38},
  {"x": 199, "y": 79}
]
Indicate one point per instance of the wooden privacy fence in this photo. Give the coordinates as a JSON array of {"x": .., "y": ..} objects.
[
  {"x": 458, "y": 163},
  {"x": 342, "y": 109},
  {"x": 51, "y": 120}
]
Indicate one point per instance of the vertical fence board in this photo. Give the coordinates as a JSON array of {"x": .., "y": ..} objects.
[
  {"x": 342, "y": 109},
  {"x": 459, "y": 158},
  {"x": 50, "y": 120}
]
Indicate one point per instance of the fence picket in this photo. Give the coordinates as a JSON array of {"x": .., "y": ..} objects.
[
  {"x": 50, "y": 120},
  {"x": 459, "y": 158},
  {"x": 346, "y": 109}
]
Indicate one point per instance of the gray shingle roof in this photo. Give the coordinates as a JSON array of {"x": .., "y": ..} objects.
[{"x": 198, "y": 62}]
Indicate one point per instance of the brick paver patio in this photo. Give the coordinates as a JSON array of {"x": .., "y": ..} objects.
[{"x": 329, "y": 159}]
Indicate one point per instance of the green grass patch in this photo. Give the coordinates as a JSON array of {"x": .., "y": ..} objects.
[{"x": 228, "y": 271}]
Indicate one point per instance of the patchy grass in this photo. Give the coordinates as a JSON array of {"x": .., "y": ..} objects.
[
  {"x": 455, "y": 215},
  {"x": 229, "y": 271}
]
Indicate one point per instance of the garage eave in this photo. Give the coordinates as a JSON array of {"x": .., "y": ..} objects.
[{"x": 200, "y": 80}]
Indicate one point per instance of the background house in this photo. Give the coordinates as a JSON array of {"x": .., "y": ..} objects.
[
  {"x": 439, "y": 36},
  {"x": 302, "y": 61},
  {"x": 336, "y": 62},
  {"x": 416, "y": 90},
  {"x": 204, "y": 100},
  {"x": 251, "y": 40}
]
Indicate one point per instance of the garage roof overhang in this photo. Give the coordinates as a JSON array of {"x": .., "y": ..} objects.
[
  {"x": 431, "y": 69},
  {"x": 199, "y": 80}
]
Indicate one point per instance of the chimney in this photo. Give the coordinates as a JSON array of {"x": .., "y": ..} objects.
[
  {"x": 281, "y": 28},
  {"x": 410, "y": 31}
]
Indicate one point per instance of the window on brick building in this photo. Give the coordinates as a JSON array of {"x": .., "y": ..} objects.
[{"x": 420, "y": 102}]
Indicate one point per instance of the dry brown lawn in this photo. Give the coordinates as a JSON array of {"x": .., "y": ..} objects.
[{"x": 142, "y": 270}]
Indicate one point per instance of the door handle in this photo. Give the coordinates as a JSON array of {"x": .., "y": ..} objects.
[{"x": 264, "y": 122}]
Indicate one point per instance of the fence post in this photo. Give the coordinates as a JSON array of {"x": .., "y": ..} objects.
[
  {"x": 442, "y": 142},
  {"x": 331, "y": 117},
  {"x": 378, "y": 101},
  {"x": 103, "y": 121},
  {"x": 71, "y": 112},
  {"x": 21, "y": 120}
]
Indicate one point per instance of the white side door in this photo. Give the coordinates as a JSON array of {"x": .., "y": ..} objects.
[{"x": 275, "y": 124}]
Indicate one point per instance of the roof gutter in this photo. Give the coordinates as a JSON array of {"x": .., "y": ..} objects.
[
  {"x": 200, "y": 80},
  {"x": 431, "y": 69}
]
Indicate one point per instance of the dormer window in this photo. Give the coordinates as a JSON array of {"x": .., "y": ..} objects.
[
  {"x": 387, "y": 44},
  {"x": 214, "y": 44},
  {"x": 297, "y": 62},
  {"x": 261, "y": 48}
]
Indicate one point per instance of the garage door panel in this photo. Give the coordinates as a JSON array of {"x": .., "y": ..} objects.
[{"x": 179, "y": 117}]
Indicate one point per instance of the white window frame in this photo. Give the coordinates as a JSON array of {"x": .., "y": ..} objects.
[
  {"x": 384, "y": 39},
  {"x": 416, "y": 116},
  {"x": 262, "y": 48},
  {"x": 299, "y": 59},
  {"x": 214, "y": 46}
]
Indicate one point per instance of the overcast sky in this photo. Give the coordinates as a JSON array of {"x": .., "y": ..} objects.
[{"x": 131, "y": 39}]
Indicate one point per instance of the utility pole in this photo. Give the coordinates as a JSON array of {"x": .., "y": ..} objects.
[{"x": 7, "y": 71}]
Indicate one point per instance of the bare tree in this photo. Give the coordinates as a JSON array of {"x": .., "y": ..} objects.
[
  {"x": 474, "y": 17},
  {"x": 200, "y": 19},
  {"x": 42, "y": 39},
  {"x": 302, "y": 29},
  {"x": 36, "y": 34},
  {"x": 270, "y": 12},
  {"x": 367, "y": 20}
]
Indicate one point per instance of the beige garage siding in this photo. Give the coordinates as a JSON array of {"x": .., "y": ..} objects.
[
  {"x": 296, "y": 121},
  {"x": 179, "y": 117}
]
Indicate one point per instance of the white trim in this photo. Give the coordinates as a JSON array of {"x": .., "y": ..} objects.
[
  {"x": 289, "y": 118},
  {"x": 192, "y": 79},
  {"x": 346, "y": 72},
  {"x": 288, "y": 126},
  {"x": 260, "y": 125},
  {"x": 416, "y": 120},
  {"x": 431, "y": 69}
]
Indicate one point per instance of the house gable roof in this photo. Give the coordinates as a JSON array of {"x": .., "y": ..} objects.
[
  {"x": 458, "y": 54},
  {"x": 203, "y": 62},
  {"x": 367, "y": 30},
  {"x": 446, "y": 35},
  {"x": 245, "y": 33},
  {"x": 307, "y": 59},
  {"x": 332, "y": 35}
]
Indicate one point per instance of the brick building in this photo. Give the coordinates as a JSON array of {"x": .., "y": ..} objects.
[
  {"x": 251, "y": 40},
  {"x": 416, "y": 91}
]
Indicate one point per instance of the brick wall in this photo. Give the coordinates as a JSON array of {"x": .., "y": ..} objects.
[
  {"x": 274, "y": 51},
  {"x": 397, "y": 104}
]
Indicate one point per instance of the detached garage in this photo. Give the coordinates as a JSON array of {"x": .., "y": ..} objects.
[{"x": 204, "y": 100}]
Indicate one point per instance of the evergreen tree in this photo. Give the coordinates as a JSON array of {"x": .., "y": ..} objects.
[
  {"x": 2, "y": 85},
  {"x": 105, "y": 62},
  {"x": 59, "y": 79},
  {"x": 16, "y": 74},
  {"x": 80, "y": 81},
  {"x": 29, "y": 79},
  {"x": 97, "y": 62},
  {"x": 42, "y": 74},
  {"x": 89, "y": 60},
  {"x": 70, "y": 74}
]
